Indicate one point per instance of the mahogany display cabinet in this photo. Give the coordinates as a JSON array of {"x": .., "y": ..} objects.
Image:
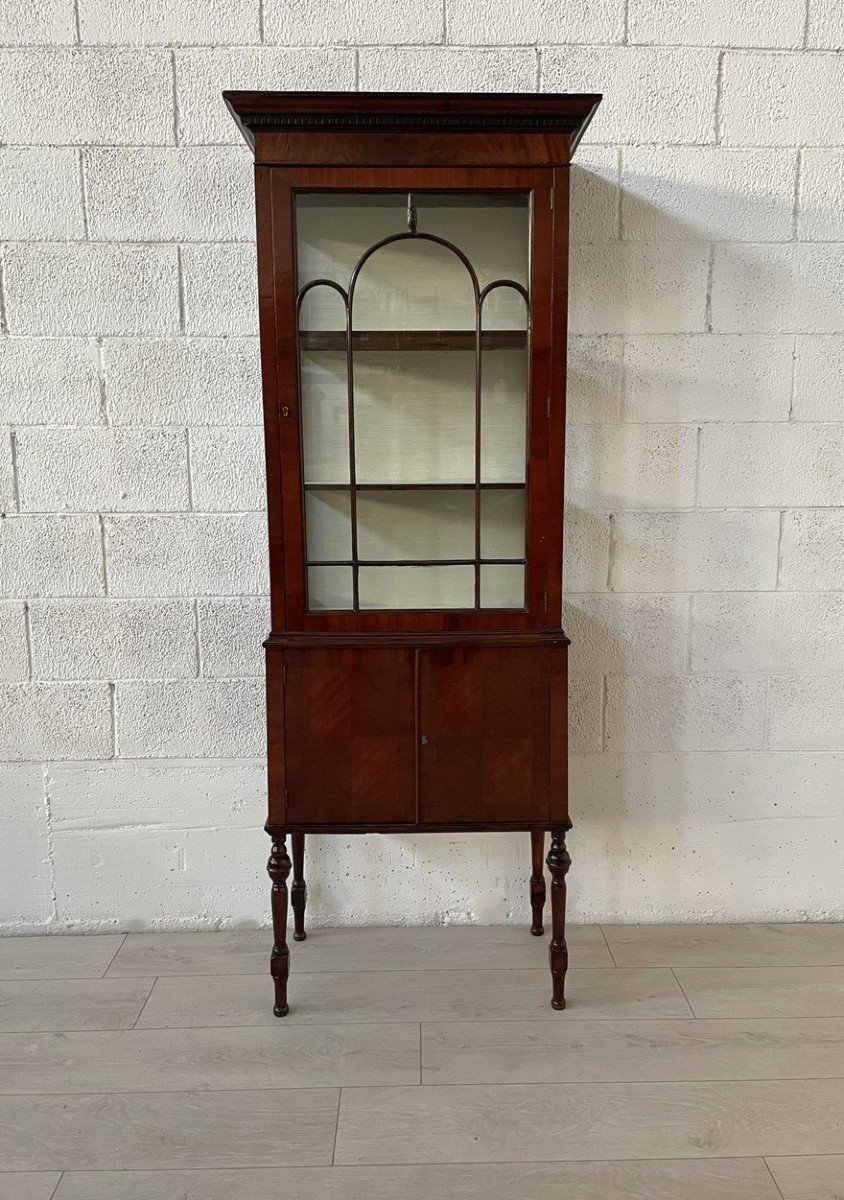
[{"x": 412, "y": 277}]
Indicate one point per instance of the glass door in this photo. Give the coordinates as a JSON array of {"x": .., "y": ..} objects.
[{"x": 413, "y": 335}]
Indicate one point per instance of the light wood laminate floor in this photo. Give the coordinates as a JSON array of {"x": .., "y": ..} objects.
[{"x": 693, "y": 1062}]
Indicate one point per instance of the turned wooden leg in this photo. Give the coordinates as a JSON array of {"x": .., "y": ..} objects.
[
  {"x": 537, "y": 881},
  {"x": 298, "y": 891},
  {"x": 278, "y": 869},
  {"x": 559, "y": 862}
]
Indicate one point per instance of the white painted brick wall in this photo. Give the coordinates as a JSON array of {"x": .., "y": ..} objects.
[
  {"x": 93, "y": 470},
  {"x": 705, "y": 503}
]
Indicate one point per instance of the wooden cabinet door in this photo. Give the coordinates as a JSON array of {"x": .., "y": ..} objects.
[
  {"x": 350, "y": 736},
  {"x": 484, "y": 733}
]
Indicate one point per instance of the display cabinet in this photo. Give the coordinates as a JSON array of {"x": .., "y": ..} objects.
[{"x": 412, "y": 274}]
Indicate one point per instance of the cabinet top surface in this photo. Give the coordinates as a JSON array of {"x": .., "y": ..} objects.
[{"x": 430, "y": 112}]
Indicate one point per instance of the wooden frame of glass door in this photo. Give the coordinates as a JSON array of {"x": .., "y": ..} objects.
[{"x": 548, "y": 256}]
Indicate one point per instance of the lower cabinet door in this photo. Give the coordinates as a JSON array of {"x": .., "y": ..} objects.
[
  {"x": 484, "y": 732},
  {"x": 350, "y": 744}
]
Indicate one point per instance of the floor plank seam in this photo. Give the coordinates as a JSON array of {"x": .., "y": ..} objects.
[
  {"x": 508, "y": 1162},
  {"x": 58, "y": 1184},
  {"x": 295, "y": 1024},
  {"x": 351, "y": 1087},
  {"x": 607, "y": 944},
  {"x": 382, "y": 971},
  {"x": 773, "y": 1177},
  {"x": 685, "y": 997},
  {"x": 336, "y": 1126},
  {"x": 145, "y": 1003},
  {"x": 114, "y": 956}
]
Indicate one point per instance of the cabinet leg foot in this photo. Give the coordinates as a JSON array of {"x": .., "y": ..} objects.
[
  {"x": 298, "y": 890},
  {"x": 278, "y": 869},
  {"x": 537, "y": 881},
  {"x": 559, "y": 862}
]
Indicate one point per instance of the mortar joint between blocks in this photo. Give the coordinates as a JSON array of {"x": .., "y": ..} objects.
[
  {"x": 27, "y": 628},
  {"x": 16, "y": 489},
  {"x": 174, "y": 97},
  {"x": 710, "y": 276},
  {"x": 51, "y": 858},
  {"x": 798, "y": 179},
  {"x": 4, "y": 320},
  {"x": 99, "y": 354},
  {"x": 103, "y": 554},
  {"x": 189, "y": 469},
  {"x": 778, "y": 577},
  {"x": 605, "y": 691},
  {"x": 793, "y": 380},
  {"x": 180, "y": 286},
  {"x": 719, "y": 83},
  {"x": 197, "y": 639},
  {"x": 112, "y": 703},
  {"x": 611, "y": 550}
]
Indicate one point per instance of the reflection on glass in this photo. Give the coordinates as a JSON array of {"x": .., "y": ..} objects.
[
  {"x": 504, "y": 384},
  {"x": 415, "y": 416},
  {"x": 417, "y": 587},
  {"x": 329, "y": 587},
  {"x": 502, "y": 586},
  {"x": 328, "y": 525},
  {"x": 503, "y": 523},
  {"x": 416, "y": 524}
]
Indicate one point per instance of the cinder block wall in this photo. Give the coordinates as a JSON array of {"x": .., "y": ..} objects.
[{"x": 705, "y": 556}]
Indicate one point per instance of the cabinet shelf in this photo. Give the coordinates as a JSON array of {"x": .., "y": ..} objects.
[
  {"x": 413, "y": 487},
  {"x": 415, "y": 562},
  {"x": 413, "y": 339}
]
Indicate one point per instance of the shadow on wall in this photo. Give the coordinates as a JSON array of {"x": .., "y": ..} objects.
[{"x": 683, "y": 449}]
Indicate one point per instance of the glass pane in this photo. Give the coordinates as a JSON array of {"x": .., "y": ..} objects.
[
  {"x": 412, "y": 282},
  {"x": 503, "y": 523},
  {"x": 324, "y": 394},
  {"x": 415, "y": 416},
  {"x": 329, "y": 587},
  {"x": 493, "y": 231},
  {"x": 504, "y": 376},
  {"x": 416, "y": 524},
  {"x": 328, "y": 525},
  {"x": 502, "y": 586},
  {"x": 333, "y": 230},
  {"x": 417, "y": 587}
]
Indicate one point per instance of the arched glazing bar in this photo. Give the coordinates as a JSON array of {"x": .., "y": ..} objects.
[
  {"x": 484, "y": 293},
  {"x": 300, "y": 299},
  {"x": 412, "y": 235}
]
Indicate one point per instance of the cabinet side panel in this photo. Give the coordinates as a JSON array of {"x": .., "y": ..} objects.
[
  {"x": 269, "y": 387},
  {"x": 557, "y": 411},
  {"x": 558, "y": 735},
  {"x": 350, "y": 736},
  {"x": 288, "y": 415},
  {"x": 276, "y": 782},
  {"x": 484, "y": 722}
]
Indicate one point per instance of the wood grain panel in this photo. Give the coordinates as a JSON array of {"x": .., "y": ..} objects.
[
  {"x": 349, "y": 735},
  {"x": 484, "y": 723}
]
